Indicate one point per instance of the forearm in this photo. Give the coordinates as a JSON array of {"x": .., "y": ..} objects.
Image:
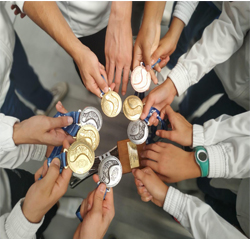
[
  {"x": 175, "y": 29},
  {"x": 198, "y": 217},
  {"x": 48, "y": 16},
  {"x": 153, "y": 12}
]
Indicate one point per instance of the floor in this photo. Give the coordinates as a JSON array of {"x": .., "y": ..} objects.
[{"x": 134, "y": 218}]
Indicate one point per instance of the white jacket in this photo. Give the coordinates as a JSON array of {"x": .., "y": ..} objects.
[
  {"x": 224, "y": 46},
  {"x": 13, "y": 224},
  {"x": 84, "y": 17},
  {"x": 227, "y": 140}
]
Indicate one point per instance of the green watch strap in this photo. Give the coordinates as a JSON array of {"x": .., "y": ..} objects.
[{"x": 201, "y": 157}]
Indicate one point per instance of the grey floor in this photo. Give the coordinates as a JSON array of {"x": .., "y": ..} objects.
[{"x": 134, "y": 218}]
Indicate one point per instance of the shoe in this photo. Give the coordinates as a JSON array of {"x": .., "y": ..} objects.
[
  {"x": 68, "y": 206},
  {"x": 59, "y": 91}
]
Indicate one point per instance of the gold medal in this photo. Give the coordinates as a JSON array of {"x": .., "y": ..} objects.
[
  {"x": 111, "y": 103},
  {"x": 89, "y": 134},
  {"x": 80, "y": 157},
  {"x": 132, "y": 107}
]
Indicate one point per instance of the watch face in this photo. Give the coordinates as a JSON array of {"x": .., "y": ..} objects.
[{"x": 202, "y": 156}]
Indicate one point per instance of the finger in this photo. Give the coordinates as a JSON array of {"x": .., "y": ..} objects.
[
  {"x": 109, "y": 199},
  {"x": 60, "y": 108},
  {"x": 163, "y": 178},
  {"x": 164, "y": 62},
  {"x": 145, "y": 194},
  {"x": 112, "y": 86},
  {"x": 158, "y": 53},
  {"x": 142, "y": 190},
  {"x": 149, "y": 101},
  {"x": 96, "y": 178},
  {"x": 63, "y": 181},
  {"x": 66, "y": 144},
  {"x": 136, "y": 57},
  {"x": 157, "y": 67},
  {"x": 111, "y": 71},
  {"x": 16, "y": 12},
  {"x": 149, "y": 163},
  {"x": 13, "y": 6},
  {"x": 52, "y": 174},
  {"x": 118, "y": 76},
  {"x": 125, "y": 80},
  {"x": 153, "y": 118},
  {"x": 164, "y": 134},
  {"x": 84, "y": 207},
  {"x": 22, "y": 15},
  {"x": 146, "y": 56},
  {"x": 146, "y": 199},
  {"x": 153, "y": 77},
  {"x": 138, "y": 183},
  {"x": 149, "y": 154},
  {"x": 59, "y": 122},
  {"x": 154, "y": 147},
  {"x": 104, "y": 74},
  {"x": 98, "y": 198},
  {"x": 91, "y": 85},
  {"x": 101, "y": 83},
  {"x": 101, "y": 66},
  {"x": 41, "y": 171},
  {"x": 90, "y": 200},
  {"x": 107, "y": 69}
]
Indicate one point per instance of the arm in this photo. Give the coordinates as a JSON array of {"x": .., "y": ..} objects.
[
  {"x": 48, "y": 16},
  {"x": 193, "y": 214},
  {"x": 118, "y": 44},
  {"x": 219, "y": 41}
]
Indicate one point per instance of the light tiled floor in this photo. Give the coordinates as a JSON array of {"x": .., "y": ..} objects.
[{"x": 134, "y": 218}]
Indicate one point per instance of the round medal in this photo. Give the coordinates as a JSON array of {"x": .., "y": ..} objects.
[
  {"x": 89, "y": 134},
  {"x": 80, "y": 157},
  {"x": 91, "y": 115},
  {"x": 132, "y": 107},
  {"x": 110, "y": 171},
  {"x": 140, "y": 79},
  {"x": 111, "y": 104},
  {"x": 137, "y": 131}
]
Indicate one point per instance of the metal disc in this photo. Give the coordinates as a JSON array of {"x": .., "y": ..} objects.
[
  {"x": 132, "y": 107},
  {"x": 137, "y": 131},
  {"x": 90, "y": 134},
  {"x": 111, "y": 104},
  {"x": 140, "y": 79},
  {"x": 110, "y": 171},
  {"x": 91, "y": 115},
  {"x": 80, "y": 157}
]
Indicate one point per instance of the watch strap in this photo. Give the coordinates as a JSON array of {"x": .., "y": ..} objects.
[{"x": 204, "y": 165}]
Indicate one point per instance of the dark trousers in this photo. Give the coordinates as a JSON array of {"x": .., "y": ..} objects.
[
  {"x": 25, "y": 81},
  {"x": 96, "y": 43},
  {"x": 20, "y": 182}
]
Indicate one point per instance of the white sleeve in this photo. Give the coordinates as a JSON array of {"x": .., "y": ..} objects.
[
  {"x": 220, "y": 129},
  {"x": 198, "y": 217},
  {"x": 184, "y": 10},
  {"x": 12, "y": 156},
  {"x": 222, "y": 38},
  {"x": 14, "y": 225},
  {"x": 19, "y": 4}
]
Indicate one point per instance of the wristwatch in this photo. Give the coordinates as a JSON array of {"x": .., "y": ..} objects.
[{"x": 201, "y": 157}]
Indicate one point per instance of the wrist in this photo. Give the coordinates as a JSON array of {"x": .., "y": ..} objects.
[
  {"x": 31, "y": 216},
  {"x": 121, "y": 12},
  {"x": 164, "y": 194},
  {"x": 194, "y": 169},
  {"x": 169, "y": 84},
  {"x": 176, "y": 29},
  {"x": 17, "y": 134}
]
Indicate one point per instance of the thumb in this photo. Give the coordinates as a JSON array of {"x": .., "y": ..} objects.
[
  {"x": 158, "y": 53},
  {"x": 164, "y": 134},
  {"x": 143, "y": 175},
  {"x": 146, "y": 57},
  {"x": 52, "y": 174},
  {"x": 60, "y": 122},
  {"x": 98, "y": 198}
]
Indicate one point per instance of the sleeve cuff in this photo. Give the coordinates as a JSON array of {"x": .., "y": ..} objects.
[
  {"x": 198, "y": 135},
  {"x": 217, "y": 161},
  {"x": 175, "y": 202},
  {"x": 38, "y": 152},
  {"x": 180, "y": 78},
  {"x": 17, "y": 226}
]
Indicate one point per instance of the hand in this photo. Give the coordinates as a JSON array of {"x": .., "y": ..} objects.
[
  {"x": 17, "y": 11},
  {"x": 91, "y": 70},
  {"x": 43, "y": 194},
  {"x": 41, "y": 130},
  {"x": 118, "y": 44},
  {"x": 97, "y": 213},
  {"x": 146, "y": 43},
  {"x": 159, "y": 97},
  {"x": 170, "y": 162},
  {"x": 182, "y": 130},
  {"x": 150, "y": 186}
]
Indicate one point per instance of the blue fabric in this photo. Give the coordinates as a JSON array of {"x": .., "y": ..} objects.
[
  {"x": 62, "y": 157},
  {"x": 78, "y": 214},
  {"x": 203, "y": 16},
  {"x": 73, "y": 128}
]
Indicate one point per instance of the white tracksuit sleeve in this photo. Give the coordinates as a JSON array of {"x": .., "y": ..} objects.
[
  {"x": 227, "y": 141},
  {"x": 184, "y": 10},
  {"x": 14, "y": 225},
  {"x": 12, "y": 156},
  {"x": 222, "y": 38},
  {"x": 198, "y": 217}
]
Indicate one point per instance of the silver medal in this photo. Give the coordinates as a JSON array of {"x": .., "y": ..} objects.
[
  {"x": 137, "y": 131},
  {"x": 110, "y": 171},
  {"x": 91, "y": 115}
]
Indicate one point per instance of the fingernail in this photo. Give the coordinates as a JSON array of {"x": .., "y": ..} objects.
[
  {"x": 56, "y": 161},
  {"x": 149, "y": 198},
  {"x": 89, "y": 207},
  {"x": 157, "y": 133},
  {"x": 147, "y": 67},
  {"x": 140, "y": 184},
  {"x": 123, "y": 93},
  {"x": 102, "y": 187},
  {"x": 105, "y": 89},
  {"x": 70, "y": 120},
  {"x": 152, "y": 62}
]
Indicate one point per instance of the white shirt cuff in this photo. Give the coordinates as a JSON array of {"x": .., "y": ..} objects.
[
  {"x": 17, "y": 226},
  {"x": 198, "y": 135}
]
